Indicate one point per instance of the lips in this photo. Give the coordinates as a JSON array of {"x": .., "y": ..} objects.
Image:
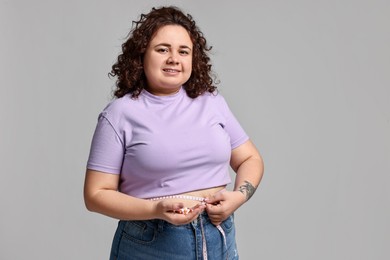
[{"x": 169, "y": 70}]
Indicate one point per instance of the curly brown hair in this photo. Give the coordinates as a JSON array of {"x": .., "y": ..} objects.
[{"x": 129, "y": 67}]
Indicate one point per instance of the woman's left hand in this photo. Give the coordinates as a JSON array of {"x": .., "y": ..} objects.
[{"x": 221, "y": 205}]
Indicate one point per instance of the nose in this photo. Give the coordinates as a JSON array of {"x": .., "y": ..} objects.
[{"x": 172, "y": 59}]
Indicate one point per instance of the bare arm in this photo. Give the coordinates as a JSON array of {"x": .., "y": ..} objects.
[
  {"x": 101, "y": 195},
  {"x": 248, "y": 165}
]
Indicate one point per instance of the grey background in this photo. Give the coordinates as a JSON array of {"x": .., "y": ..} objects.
[{"x": 309, "y": 81}]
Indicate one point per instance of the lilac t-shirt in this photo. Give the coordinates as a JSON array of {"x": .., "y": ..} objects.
[{"x": 164, "y": 145}]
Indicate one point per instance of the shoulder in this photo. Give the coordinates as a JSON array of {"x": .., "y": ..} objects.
[
  {"x": 215, "y": 96},
  {"x": 118, "y": 110},
  {"x": 118, "y": 106}
]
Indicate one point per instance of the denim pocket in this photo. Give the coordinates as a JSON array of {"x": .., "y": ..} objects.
[
  {"x": 140, "y": 231},
  {"x": 228, "y": 224}
]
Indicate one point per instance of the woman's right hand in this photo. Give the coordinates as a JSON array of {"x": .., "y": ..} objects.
[{"x": 175, "y": 212}]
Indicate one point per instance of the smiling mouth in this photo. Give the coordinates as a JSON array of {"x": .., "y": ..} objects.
[{"x": 171, "y": 70}]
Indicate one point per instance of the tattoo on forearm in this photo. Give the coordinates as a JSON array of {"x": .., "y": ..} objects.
[{"x": 247, "y": 189}]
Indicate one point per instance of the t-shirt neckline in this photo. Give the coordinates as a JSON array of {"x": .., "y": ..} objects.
[{"x": 163, "y": 99}]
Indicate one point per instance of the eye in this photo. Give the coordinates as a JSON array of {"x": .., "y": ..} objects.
[
  {"x": 184, "y": 52},
  {"x": 162, "y": 50}
]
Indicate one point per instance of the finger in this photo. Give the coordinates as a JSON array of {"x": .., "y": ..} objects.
[
  {"x": 181, "y": 219},
  {"x": 214, "y": 209},
  {"x": 185, "y": 210},
  {"x": 176, "y": 206},
  {"x": 216, "y": 223},
  {"x": 215, "y": 199},
  {"x": 216, "y": 220},
  {"x": 185, "y": 214},
  {"x": 200, "y": 206}
]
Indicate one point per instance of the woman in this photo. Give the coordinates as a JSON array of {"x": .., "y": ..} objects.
[{"x": 160, "y": 153}]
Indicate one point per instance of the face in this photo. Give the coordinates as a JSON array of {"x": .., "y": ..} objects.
[{"x": 168, "y": 60}]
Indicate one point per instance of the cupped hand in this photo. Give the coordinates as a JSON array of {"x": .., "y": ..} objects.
[
  {"x": 175, "y": 212},
  {"x": 221, "y": 205}
]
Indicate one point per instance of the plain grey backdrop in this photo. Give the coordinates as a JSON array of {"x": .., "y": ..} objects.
[{"x": 309, "y": 81}]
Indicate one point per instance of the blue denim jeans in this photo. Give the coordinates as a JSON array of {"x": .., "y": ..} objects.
[{"x": 158, "y": 239}]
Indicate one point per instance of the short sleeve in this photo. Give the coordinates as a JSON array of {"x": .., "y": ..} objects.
[
  {"x": 237, "y": 134},
  {"x": 107, "y": 148}
]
